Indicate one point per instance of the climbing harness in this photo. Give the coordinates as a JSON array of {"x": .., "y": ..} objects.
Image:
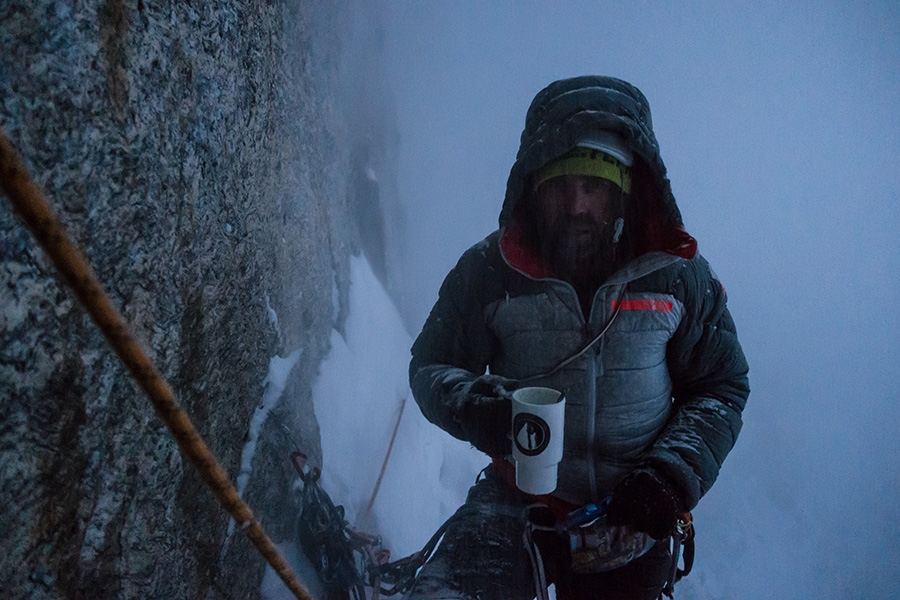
[
  {"x": 596, "y": 546},
  {"x": 47, "y": 228}
]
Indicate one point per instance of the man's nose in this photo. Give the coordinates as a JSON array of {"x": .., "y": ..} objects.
[{"x": 581, "y": 202}]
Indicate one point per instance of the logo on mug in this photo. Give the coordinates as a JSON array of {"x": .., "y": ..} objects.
[{"x": 531, "y": 433}]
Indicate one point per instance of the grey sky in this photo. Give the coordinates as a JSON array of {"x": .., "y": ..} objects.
[{"x": 780, "y": 128}]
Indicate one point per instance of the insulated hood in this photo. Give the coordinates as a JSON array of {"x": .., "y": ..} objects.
[{"x": 570, "y": 110}]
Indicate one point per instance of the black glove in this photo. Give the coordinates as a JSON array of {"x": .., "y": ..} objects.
[
  {"x": 486, "y": 414},
  {"x": 646, "y": 502}
]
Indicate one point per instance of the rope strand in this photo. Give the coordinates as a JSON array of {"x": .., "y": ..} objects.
[
  {"x": 29, "y": 202},
  {"x": 368, "y": 513}
]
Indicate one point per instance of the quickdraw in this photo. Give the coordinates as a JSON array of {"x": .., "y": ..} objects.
[
  {"x": 331, "y": 545},
  {"x": 682, "y": 546}
]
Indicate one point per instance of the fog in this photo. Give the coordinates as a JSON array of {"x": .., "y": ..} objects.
[{"x": 780, "y": 130}]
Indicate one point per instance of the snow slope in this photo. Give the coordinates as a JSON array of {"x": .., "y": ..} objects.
[{"x": 361, "y": 386}]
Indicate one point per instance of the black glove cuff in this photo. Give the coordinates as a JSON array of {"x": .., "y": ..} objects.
[{"x": 646, "y": 501}]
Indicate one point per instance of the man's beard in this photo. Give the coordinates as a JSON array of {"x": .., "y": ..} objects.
[{"x": 580, "y": 250}]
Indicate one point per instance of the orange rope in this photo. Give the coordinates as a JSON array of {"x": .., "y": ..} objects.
[
  {"x": 387, "y": 457},
  {"x": 50, "y": 233}
]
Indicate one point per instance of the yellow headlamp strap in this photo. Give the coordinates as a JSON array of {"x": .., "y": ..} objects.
[{"x": 585, "y": 161}]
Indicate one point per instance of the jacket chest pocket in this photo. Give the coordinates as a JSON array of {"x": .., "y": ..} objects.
[
  {"x": 641, "y": 332},
  {"x": 534, "y": 334}
]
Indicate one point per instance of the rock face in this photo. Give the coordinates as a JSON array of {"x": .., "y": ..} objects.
[{"x": 198, "y": 153}]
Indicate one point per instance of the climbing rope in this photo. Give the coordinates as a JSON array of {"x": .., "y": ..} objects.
[
  {"x": 29, "y": 202},
  {"x": 368, "y": 513}
]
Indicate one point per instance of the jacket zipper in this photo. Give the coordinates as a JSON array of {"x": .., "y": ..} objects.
[
  {"x": 591, "y": 373},
  {"x": 591, "y": 421}
]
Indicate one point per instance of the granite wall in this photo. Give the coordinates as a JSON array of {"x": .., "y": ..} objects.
[{"x": 199, "y": 153}]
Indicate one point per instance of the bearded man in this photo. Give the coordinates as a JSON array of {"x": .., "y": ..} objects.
[{"x": 590, "y": 286}]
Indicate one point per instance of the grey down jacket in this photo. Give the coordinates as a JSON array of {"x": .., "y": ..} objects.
[{"x": 665, "y": 383}]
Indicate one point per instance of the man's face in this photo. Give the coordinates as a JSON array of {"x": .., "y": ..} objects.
[{"x": 576, "y": 217}]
